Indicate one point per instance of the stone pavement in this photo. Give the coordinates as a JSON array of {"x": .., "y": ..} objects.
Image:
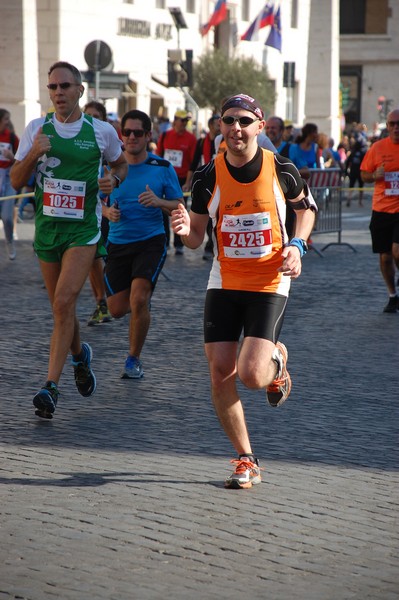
[{"x": 120, "y": 496}]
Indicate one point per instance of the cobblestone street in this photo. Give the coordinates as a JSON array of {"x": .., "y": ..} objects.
[{"x": 121, "y": 497}]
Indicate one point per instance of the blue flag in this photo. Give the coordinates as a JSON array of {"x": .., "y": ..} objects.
[{"x": 274, "y": 38}]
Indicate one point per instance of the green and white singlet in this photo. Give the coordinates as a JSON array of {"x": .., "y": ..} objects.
[{"x": 67, "y": 201}]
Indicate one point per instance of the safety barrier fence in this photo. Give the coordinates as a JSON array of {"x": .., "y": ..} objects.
[
  {"x": 27, "y": 210},
  {"x": 326, "y": 188},
  {"x": 31, "y": 214}
]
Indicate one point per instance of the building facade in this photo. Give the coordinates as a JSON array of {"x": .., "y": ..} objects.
[
  {"x": 369, "y": 59},
  {"x": 333, "y": 60}
]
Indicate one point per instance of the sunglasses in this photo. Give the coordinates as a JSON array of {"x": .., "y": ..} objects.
[
  {"x": 64, "y": 86},
  {"x": 393, "y": 123},
  {"x": 138, "y": 133},
  {"x": 243, "y": 121}
]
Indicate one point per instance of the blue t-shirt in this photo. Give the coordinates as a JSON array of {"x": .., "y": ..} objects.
[
  {"x": 138, "y": 222},
  {"x": 303, "y": 158}
]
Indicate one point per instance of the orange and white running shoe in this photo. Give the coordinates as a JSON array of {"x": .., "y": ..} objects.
[
  {"x": 246, "y": 474},
  {"x": 279, "y": 389}
]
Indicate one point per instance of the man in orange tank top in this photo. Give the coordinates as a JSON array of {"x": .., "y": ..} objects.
[
  {"x": 244, "y": 191},
  {"x": 380, "y": 165}
]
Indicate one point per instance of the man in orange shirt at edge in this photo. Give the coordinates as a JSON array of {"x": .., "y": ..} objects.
[
  {"x": 380, "y": 165},
  {"x": 244, "y": 191}
]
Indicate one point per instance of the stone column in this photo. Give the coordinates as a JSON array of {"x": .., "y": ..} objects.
[
  {"x": 322, "y": 90},
  {"x": 19, "y": 75}
]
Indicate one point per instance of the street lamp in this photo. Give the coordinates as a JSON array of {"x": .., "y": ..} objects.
[{"x": 179, "y": 21}]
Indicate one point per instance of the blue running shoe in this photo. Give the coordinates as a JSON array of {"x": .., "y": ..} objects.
[
  {"x": 133, "y": 368},
  {"x": 46, "y": 400},
  {"x": 85, "y": 379}
]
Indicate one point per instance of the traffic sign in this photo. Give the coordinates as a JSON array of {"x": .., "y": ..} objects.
[{"x": 98, "y": 55}]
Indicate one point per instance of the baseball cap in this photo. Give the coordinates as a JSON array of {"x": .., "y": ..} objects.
[
  {"x": 112, "y": 116},
  {"x": 181, "y": 114},
  {"x": 245, "y": 102},
  {"x": 288, "y": 123}
]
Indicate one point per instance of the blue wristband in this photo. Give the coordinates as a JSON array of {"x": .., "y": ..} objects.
[{"x": 299, "y": 244}]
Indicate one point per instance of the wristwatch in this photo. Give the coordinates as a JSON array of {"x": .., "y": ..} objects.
[
  {"x": 304, "y": 245},
  {"x": 117, "y": 179},
  {"x": 300, "y": 244}
]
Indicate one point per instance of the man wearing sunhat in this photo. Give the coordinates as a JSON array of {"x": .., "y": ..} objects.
[
  {"x": 288, "y": 133},
  {"x": 178, "y": 146}
]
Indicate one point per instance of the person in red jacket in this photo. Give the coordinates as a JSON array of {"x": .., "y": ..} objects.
[
  {"x": 204, "y": 152},
  {"x": 8, "y": 146},
  {"x": 177, "y": 145}
]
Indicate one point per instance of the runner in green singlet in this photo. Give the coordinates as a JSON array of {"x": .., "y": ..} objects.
[{"x": 65, "y": 149}]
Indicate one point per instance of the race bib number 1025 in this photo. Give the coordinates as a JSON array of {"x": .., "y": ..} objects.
[{"x": 64, "y": 198}]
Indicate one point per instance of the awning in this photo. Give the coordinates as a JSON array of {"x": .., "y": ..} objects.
[
  {"x": 107, "y": 79},
  {"x": 157, "y": 88}
]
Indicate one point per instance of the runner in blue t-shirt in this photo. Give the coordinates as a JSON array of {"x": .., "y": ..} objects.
[
  {"x": 136, "y": 241},
  {"x": 304, "y": 152}
]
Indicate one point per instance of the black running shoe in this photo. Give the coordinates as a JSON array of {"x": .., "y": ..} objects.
[
  {"x": 85, "y": 379},
  {"x": 100, "y": 315},
  {"x": 46, "y": 400},
  {"x": 392, "y": 306}
]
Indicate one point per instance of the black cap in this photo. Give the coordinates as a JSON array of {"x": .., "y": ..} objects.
[{"x": 245, "y": 102}]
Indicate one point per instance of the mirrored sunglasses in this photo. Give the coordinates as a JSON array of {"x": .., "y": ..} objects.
[{"x": 243, "y": 121}]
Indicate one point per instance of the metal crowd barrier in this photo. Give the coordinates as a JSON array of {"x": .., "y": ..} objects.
[
  {"x": 28, "y": 210},
  {"x": 326, "y": 187},
  {"x": 31, "y": 194}
]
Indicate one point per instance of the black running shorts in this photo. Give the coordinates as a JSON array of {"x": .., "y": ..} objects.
[
  {"x": 125, "y": 262},
  {"x": 228, "y": 313},
  {"x": 384, "y": 229}
]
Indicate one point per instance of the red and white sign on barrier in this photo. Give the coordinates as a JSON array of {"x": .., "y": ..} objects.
[{"x": 324, "y": 178}]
